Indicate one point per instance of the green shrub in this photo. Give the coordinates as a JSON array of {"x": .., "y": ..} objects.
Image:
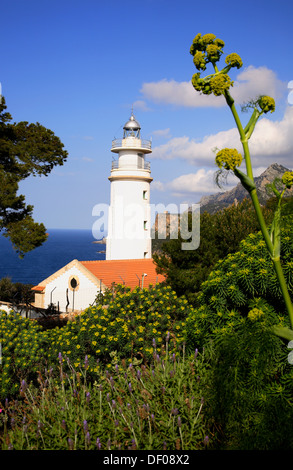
[
  {"x": 160, "y": 406},
  {"x": 22, "y": 350},
  {"x": 251, "y": 395},
  {"x": 128, "y": 325}
]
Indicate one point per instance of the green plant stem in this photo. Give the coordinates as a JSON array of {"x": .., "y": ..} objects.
[{"x": 259, "y": 214}]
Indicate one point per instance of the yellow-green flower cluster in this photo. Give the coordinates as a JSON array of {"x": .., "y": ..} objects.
[
  {"x": 255, "y": 314},
  {"x": 202, "y": 43},
  {"x": 266, "y": 104},
  {"x": 220, "y": 83},
  {"x": 208, "y": 49},
  {"x": 287, "y": 179},
  {"x": 234, "y": 60},
  {"x": 228, "y": 159}
]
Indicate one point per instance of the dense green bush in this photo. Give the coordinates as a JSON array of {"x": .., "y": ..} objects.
[
  {"x": 251, "y": 395},
  {"x": 22, "y": 351},
  {"x": 249, "y": 273},
  {"x": 127, "y": 324}
]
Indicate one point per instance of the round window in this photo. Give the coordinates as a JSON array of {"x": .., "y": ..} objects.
[{"x": 73, "y": 283}]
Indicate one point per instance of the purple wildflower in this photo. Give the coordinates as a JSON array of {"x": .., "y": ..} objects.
[
  {"x": 85, "y": 426},
  {"x": 23, "y": 386},
  {"x": 70, "y": 443}
]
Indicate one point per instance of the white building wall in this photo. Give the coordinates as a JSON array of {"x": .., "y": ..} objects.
[
  {"x": 82, "y": 297},
  {"x": 129, "y": 220}
]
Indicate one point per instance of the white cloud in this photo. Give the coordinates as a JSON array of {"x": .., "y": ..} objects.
[
  {"x": 178, "y": 93},
  {"x": 200, "y": 182},
  {"x": 271, "y": 142},
  {"x": 194, "y": 184},
  {"x": 165, "y": 133},
  {"x": 249, "y": 83},
  {"x": 255, "y": 81},
  {"x": 197, "y": 153},
  {"x": 141, "y": 105}
]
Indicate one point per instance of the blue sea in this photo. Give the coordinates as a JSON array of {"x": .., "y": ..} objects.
[{"x": 61, "y": 247}]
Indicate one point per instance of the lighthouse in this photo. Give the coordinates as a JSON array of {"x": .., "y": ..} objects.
[{"x": 129, "y": 217}]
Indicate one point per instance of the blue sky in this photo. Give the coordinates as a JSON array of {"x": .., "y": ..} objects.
[{"x": 78, "y": 67}]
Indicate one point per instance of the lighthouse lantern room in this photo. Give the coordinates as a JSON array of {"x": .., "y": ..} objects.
[{"x": 129, "y": 218}]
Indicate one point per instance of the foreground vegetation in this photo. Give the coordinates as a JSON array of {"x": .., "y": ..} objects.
[
  {"x": 127, "y": 407},
  {"x": 146, "y": 369},
  {"x": 154, "y": 369}
]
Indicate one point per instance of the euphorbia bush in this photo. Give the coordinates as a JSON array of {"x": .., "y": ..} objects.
[
  {"x": 251, "y": 394},
  {"x": 22, "y": 351},
  {"x": 126, "y": 323}
]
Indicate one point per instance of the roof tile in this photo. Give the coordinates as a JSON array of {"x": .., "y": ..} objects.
[{"x": 128, "y": 272}]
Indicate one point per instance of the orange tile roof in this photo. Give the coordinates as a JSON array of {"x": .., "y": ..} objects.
[
  {"x": 38, "y": 288},
  {"x": 128, "y": 272}
]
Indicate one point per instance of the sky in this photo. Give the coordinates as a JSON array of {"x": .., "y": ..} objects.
[{"x": 78, "y": 68}]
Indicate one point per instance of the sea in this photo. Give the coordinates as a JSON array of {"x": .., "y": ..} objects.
[{"x": 61, "y": 247}]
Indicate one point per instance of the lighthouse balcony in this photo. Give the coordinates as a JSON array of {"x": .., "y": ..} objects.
[
  {"x": 140, "y": 165},
  {"x": 131, "y": 143}
]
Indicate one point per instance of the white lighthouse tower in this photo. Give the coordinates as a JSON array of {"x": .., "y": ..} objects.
[{"x": 129, "y": 218}]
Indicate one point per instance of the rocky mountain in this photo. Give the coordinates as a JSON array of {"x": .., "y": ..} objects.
[
  {"x": 166, "y": 223},
  {"x": 221, "y": 200}
]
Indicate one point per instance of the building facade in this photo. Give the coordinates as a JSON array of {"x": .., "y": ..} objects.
[{"x": 129, "y": 218}]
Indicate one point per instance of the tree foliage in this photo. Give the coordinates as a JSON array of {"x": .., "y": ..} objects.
[
  {"x": 25, "y": 150},
  {"x": 220, "y": 234}
]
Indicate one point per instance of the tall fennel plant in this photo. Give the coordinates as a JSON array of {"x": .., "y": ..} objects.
[{"x": 208, "y": 49}]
